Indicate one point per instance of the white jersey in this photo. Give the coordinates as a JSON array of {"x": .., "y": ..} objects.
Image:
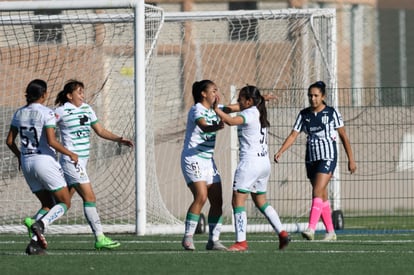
[
  {"x": 252, "y": 137},
  {"x": 196, "y": 141},
  {"x": 75, "y": 127},
  {"x": 253, "y": 170},
  {"x": 31, "y": 122}
]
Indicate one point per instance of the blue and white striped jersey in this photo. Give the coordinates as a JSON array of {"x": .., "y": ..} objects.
[{"x": 321, "y": 130}]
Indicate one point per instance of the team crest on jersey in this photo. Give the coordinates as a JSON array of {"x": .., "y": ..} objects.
[{"x": 83, "y": 119}]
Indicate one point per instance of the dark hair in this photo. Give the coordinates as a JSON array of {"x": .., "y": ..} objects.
[
  {"x": 35, "y": 90},
  {"x": 253, "y": 92},
  {"x": 69, "y": 88},
  {"x": 198, "y": 87},
  {"x": 320, "y": 85}
]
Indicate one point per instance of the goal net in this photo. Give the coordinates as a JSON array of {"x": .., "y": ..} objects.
[
  {"x": 93, "y": 42},
  {"x": 280, "y": 51}
]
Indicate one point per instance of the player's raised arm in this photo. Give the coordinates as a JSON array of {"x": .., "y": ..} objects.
[{"x": 106, "y": 134}]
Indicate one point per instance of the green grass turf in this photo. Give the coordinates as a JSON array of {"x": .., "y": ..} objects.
[{"x": 351, "y": 254}]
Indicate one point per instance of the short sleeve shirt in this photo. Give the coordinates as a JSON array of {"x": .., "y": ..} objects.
[
  {"x": 75, "y": 127},
  {"x": 31, "y": 122},
  {"x": 252, "y": 137},
  {"x": 321, "y": 129},
  {"x": 197, "y": 142}
]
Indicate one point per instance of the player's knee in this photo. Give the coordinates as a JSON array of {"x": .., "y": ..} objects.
[{"x": 200, "y": 199}]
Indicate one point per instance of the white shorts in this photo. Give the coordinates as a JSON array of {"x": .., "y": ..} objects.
[
  {"x": 252, "y": 175},
  {"x": 42, "y": 172},
  {"x": 197, "y": 169},
  {"x": 75, "y": 174}
]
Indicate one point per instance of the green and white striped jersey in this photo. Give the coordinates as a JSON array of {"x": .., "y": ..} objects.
[
  {"x": 196, "y": 141},
  {"x": 75, "y": 127}
]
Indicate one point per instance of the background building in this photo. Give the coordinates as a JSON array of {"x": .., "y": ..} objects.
[{"x": 374, "y": 47}]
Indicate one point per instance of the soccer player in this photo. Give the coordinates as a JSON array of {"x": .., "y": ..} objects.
[
  {"x": 253, "y": 171},
  {"x": 35, "y": 124},
  {"x": 75, "y": 119},
  {"x": 198, "y": 166},
  {"x": 323, "y": 124}
]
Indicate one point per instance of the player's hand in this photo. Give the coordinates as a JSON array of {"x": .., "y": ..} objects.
[
  {"x": 126, "y": 142},
  {"x": 277, "y": 157},
  {"x": 268, "y": 97},
  {"x": 216, "y": 101},
  {"x": 352, "y": 167},
  {"x": 74, "y": 158}
]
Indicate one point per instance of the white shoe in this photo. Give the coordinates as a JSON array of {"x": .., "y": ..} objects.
[
  {"x": 309, "y": 234},
  {"x": 215, "y": 245},
  {"x": 188, "y": 243},
  {"x": 330, "y": 236}
]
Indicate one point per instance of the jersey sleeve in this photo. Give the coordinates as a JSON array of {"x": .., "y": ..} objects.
[
  {"x": 14, "y": 123},
  {"x": 50, "y": 118},
  {"x": 196, "y": 113},
  {"x": 338, "y": 120},
  {"x": 246, "y": 115},
  {"x": 93, "y": 117},
  {"x": 297, "y": 126},
  {"x": 58, "y": 114}
]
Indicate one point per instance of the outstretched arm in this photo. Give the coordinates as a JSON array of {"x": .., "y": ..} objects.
[
  {"x": 235, "y": 107},
  {"x": 231, "y": 108},
  {"x": 286, "y": 144},
  {"x": 348, "y": 150},
  {"x": 103, "y": 133},
  {"x": 228, "y": 119}
]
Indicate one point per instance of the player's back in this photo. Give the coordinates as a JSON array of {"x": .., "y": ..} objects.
[{"x": 32, "y": 121}]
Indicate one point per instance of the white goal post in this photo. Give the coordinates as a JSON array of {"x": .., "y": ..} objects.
[{"x": 138, "y": 64}]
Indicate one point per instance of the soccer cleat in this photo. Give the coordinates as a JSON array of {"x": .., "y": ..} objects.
[
  {"x": 215, "y": 245},
  {"x": 330, "y": 236},
  {"x": 28, "y": 222},
  {"x": 309, "y": 234},
  {"x": 33, "y": 248},
  {"x": 239, "y": 246},
  {"x": 188, "y": 243},
  {"x": 38, "y": 229},
  {"x": 104, "y": 242},
  {"x": 284, "y": 240}
]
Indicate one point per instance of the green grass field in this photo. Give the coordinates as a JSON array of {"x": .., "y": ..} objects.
[{"x": 351, "y": 254}]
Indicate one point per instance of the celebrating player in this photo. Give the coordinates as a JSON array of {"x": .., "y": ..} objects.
[
  {"x": 322, "y": 124},
  {"x": 198, "y": 166},
  {"x": 253, "y": 170},
  {"x": 35, "y": 124},
  {"x": 75, "y": 119}
]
